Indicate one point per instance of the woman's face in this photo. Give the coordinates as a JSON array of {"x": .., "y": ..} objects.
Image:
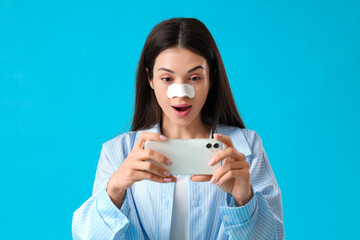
[{"x": 180, "y": 65}]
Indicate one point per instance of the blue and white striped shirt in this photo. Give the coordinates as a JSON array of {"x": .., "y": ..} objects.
[{"x": 147, "y": 206}]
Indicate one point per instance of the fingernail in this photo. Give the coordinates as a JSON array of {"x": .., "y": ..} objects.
[
  {"x": 162, "y": 137},
  {"x": 166, "y": 173},
  {"x": 217, "y": 183},
  {"x": 217, "y": 135},
  {"x": 167, "y": 179},
  {"x": 212, "y": 180},
  {"x": 168, "y": 162},
  {"x": 211, "y": 162}
]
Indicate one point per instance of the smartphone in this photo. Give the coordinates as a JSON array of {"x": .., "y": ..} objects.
[{"x": 189, "y": 156}]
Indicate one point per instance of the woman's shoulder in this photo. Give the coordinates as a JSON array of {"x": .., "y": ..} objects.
[
  {"x": 126, "y": 140},
  {"x": 242, "y": 137},
  {"x": 123, "y": 140},
  {"x": 234, "y": 130}
]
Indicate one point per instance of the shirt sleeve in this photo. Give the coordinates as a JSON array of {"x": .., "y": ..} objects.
[
  {"x": 98, "y": 217},
  {"x": 261, "y": 217}
]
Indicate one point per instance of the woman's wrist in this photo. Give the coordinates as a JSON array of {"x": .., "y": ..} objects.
[
  {"x": 242, "y": 201},
  {"x": 116, "y": 195}
]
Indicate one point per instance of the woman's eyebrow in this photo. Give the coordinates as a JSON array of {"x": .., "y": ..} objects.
[{"x": 191, "y": 70}]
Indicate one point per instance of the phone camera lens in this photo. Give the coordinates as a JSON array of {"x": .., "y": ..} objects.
[
  {"x": 216, "y": 145},
  {"x": 208, "y": 145}
]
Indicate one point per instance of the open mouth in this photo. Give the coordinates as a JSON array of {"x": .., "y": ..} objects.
[{"x": 182, "y": 110}]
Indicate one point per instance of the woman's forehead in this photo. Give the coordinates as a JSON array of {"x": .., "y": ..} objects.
[{"x": 179, "y": 60}]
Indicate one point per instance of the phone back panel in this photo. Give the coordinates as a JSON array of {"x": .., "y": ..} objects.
[{"x": 189, "y": 156}]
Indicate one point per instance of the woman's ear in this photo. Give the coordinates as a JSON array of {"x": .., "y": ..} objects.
[{"x": 148, "y": 78}]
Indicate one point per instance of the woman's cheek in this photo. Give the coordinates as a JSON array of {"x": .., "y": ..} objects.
[{"x": 162, "y": 97}]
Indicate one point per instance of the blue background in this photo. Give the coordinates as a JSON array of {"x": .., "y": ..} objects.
[{"x": 67, "y": 71}]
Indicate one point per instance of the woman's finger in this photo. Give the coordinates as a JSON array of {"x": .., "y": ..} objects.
[
  {"x": 225, "y": 139},
  {"x": 229, "y": 167},
  {"x": 151, "y": 167},
  {"x": 148, "y": 136},
  {"x": 141, "y": 175},
  {"x": 229, "y": 152},
  {"x": 153, "y": 156},
  {"x": 234, "y": 173}
]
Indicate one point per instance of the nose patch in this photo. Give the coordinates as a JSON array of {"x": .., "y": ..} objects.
[{"x": 180, "y": 90}]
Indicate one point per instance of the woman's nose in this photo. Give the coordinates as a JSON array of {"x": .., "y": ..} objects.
[{"x": 180, "y": 81}]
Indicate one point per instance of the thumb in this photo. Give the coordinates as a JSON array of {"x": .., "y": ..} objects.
[{"x": 200, "y": 178}]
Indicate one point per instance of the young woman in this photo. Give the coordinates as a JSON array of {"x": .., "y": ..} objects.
[{"x": 137, "y": 199}]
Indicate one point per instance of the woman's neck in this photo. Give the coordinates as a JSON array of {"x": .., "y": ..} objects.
[{"x": 196, "y": 129}]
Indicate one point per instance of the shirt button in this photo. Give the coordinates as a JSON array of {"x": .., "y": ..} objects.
[
  {"x": 167, "y": 203},
  {"x": 194, "y": 203}
]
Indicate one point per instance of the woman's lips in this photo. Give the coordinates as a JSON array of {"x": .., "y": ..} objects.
[
  {"x": 182, "y": 110},
  {"x": 181, "y": 105}
]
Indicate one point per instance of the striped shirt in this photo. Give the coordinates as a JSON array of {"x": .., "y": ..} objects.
[{"x": 146, "y": 210}]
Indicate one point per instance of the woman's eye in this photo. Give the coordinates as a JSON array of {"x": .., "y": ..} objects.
[
  {"x": 195, "y": 78},
  {"x": 166, "y": 79}
]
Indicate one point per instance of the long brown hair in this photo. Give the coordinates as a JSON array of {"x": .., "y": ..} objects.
[{"x": 192, "y": 34}]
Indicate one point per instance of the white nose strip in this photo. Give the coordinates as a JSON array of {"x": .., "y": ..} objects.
[{"x": 180, "y": 90}]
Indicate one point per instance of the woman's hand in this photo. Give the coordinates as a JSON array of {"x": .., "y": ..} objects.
[
  {"x": 234, "y": 176},
  {"x": 135, "y": 168}
]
